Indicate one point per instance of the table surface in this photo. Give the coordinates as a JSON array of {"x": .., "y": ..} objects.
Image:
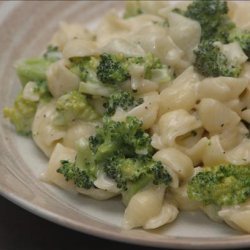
[{"x": 21, "y": 230}]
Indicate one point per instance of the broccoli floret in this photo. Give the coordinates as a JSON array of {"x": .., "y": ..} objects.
[
  {"x": 215, "y": 23},
  {"x": 133, "y": 174},
  {"x": 149, "y": 62},
  {"x": 224, "y": 30},
  {"x": 210, "y": 14},
  {"x": 221, "y": 185},
  {"x": 42, "y": 90},
  {"x": 30, "y": 72},
  {"x": 216, "y": 26},
  {"x": 21, "y": 114},
  {"x": 120, "y": 138},
  {"x": 126, "y": 171},
  {"x": 73, "y": 106},
  {"x": 132, "y": 8},
  {"x": 52, "y": 53},
  {"x": 83, "y": 171},
  {"x": 153, "y": 68},
  {"x": 83, "y": 177},
  {"x": 243, "y": 38},
  {"x": 85, "y": 68},
  {"x": 210, "y": 61},
  {"x": 33, "y": 69},
  {"x": 112, "y": 69},
  {"x": 124, "y": 100},
  {"x": 122, "y": 151},
  {"x": 23, "y": 111}
]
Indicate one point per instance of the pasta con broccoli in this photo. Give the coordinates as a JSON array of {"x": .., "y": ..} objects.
[{"x": 152, "y": 106}]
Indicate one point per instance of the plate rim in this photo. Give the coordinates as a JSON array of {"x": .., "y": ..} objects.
[{"x": 174, "y": 242}]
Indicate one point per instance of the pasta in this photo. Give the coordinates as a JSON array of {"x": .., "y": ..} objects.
[
  {"x": 177, "y": 161},
  {"x": 150, "y": 104},
  {"x": 76, "y": 131},
  {"x": 171, "y": 99},
  {"x": 174, "y": 124},
  {"x": 68, "y": 32},
  {"x": 237, "y": 216},
  {"x": 215, "y": 116},
  {"x": 222, "y": 88},
  {"x": 60, "y": 79},
  {"x": 152, "y": 199},
  {"x": 125, "y": 110},
  {"x": 44, "y": 133},
  {"x": 185, "y": 33},
  {"x": 51, "y": 175}
]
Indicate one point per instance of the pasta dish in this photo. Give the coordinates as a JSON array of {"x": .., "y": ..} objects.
[{"x": 152, "y": 106}]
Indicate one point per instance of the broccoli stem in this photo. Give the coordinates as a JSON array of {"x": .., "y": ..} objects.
[
  {"x": 133, "y": 188},
  {"x": 95, "y": 89},
  {"x": 104, "y": 151},
  {"x": 33, "y": 69}
]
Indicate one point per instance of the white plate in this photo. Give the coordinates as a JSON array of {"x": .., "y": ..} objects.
[{"x": 25, "y": 29}]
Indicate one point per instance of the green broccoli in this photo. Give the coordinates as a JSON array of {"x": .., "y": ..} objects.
[
  {"x": 120, "y": 138},
  {"x": 24, "y": 109},
  {"x": 124, "y": 100},
  {"x": 73, "y": 106},
  {"x": 83, "y": 176},
  {"x": 216, "y": 24},
  {"x": 221, "y": 185},
  {"x": 99, "y": 89},
  {"x": 132, "y": 174},
  {"x": 33, "y": 69},
  {"x": 21, "y": 114},
  {"x": 211, "y": 14},
  {"x": 83, "y": 171},
  {"x": 122, "y": 151},
  {"x": 224, "y": 30},
  {"x": 211, "y": 62},
  {"x": 85, "y": 68},
  {"x": 42, "y": 90},
  {"x": 150, "y": 63},
  {"x": 112, "y": 69},
  {"x": 243, "y": 38}
]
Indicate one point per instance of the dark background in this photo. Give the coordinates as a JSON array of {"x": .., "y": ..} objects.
[{"x": 21, "y": 230}]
